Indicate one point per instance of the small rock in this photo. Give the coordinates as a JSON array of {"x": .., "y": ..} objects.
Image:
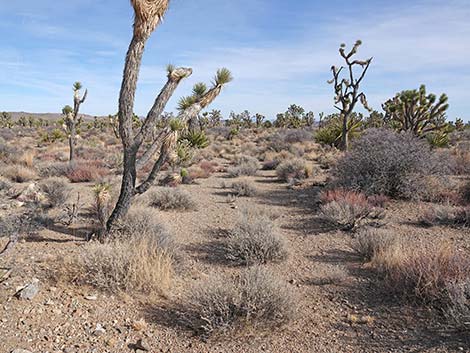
[
  {"x": 99, "y": 330},
  {"x": 91, "y": 297},
  {"x": 20, "y": 351},
  {"x": 29, "y": 291},
  {"x": 141, "y": 346}
]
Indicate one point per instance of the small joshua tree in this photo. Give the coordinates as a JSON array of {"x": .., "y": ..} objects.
[
  {"x": 416, "y": 112},
  {"x": 71, "y": 117},
  {"x": 148, "y": 14},
  {"x": 347, "y": 89}
]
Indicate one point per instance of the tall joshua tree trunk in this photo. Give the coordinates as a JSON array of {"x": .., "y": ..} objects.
[{"x": 148, "y": 14}]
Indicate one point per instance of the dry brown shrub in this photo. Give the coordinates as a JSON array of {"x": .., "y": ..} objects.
[
  {"x": 86, "y": 171},
  {"x": 255, "y": 301},
  {"x": 19, "y": 173}
]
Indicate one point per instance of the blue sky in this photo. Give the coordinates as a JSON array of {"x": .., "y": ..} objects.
[{"x": 279, "y": 51}]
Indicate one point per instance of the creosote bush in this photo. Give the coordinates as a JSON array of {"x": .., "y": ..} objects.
[
  {"x": 256, "y": 300},
  {"x": 139, "y": 257},
  {"x": 386, "y": 163},
  {"x": 255, "y": 239},
  {"x": 293, "y": 169},
  {"x": 171, "y": 199},
  {"x": 244, "y": 165},
  {"x": 57, "y": 191}
]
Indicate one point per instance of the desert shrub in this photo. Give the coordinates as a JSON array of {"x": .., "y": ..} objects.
[
  {"x": 57, "y": 190},
  {"x": 27, "y": 159},
  {"x": 457, "y": 309},
  {"x": 423, "y": 273},
  {"x": 244, "y": 187},
  {"x": 296, "y": 136},
  {"x": 294, "y": 169},
  {"x": 19, "y": 173},
  {"x": 255, "y": 239},
  {"x": 369, "y": 243},
  {"x": 445, "y": 215},
  {"x": 136, "y": 264},
  {"x": 465, "y": 192},
  {"x": 257, "y": 300},
  {"x": 4, "y": 184},
  {"x": 171, "y": 199},
  {"x": 387, "y": 163},
  {"x": 56, "y": 169},
  {"x": 328, "y": 135},
  {"x": 86, "y": 171},
  {"x": 272, "y": 160},
  {"x": 244, "y": 165},
  {"x": 8, "y": 153},
  {"x": 138, "y": 257},
  {"x": 346, "y": 209}
]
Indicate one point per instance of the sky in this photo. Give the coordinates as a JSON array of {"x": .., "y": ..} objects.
[{"x": 280, "y": 52}]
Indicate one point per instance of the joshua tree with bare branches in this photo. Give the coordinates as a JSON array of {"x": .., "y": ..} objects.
[
  {"x": 148, "y": 14},
  {"x": 347, "y": 88},
  {"x": 71, "y": 117}
]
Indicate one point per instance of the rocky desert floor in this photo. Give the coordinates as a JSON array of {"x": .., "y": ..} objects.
[{"x": 352, "y": 315}]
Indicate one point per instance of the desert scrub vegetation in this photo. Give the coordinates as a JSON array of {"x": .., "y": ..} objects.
[
  {"x": 256, "y": 300},
  {"x": 348, "y": 209},
  {"x": 368, "y": 243},
  {"x": 388, "y": 163},
  {"x": 445, "y": 215},
  {"x": 244, "y": 187},
  {"x": 19, "y": 173},
  {"x": 166, "y": 198},
  {"x": 244, "y": 165},
  {"x": 255, "y": 239},
  {"x": 86, "y": 171},
  {"x": 293, "y": 169},
  {"x": 138, "y": 257},
  {"x": 56, "y": 190}
]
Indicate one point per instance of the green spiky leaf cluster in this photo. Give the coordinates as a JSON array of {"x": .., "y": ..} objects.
[
  {"x": 200, "y": 89},
  {"x": 196, "y": 139}
]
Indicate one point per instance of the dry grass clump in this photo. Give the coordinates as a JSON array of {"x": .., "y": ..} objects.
[
  {"x": 255, "y": 239},
  {"x": 244, "y": 165},
  {"x": 293, "y": 169},
  {"x": 138, "y": 258},
  {"x": 244, "y": 187},
  {"x": 19, "y": 173},
  {"x": 370, "y": 243},
  {"x": 57, "y": 191},
  {"x": 271, "y": 160},
  {"x": 86, "y": 171},
  {"x": 423, "y": 273},
  {"x": 171, "y": 199},
  {"x": 256, "y": 300},
  {"x": 346, "y": 209},
  {"x": 445, "y": 215}
]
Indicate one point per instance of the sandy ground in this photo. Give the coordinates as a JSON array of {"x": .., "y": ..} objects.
[{"x": 61, "y": 319}]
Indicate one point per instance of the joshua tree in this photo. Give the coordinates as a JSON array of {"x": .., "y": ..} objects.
[
  {"x": 347, "y": 88},
  {"x": 71, "y": 115},
  {"x": 148, "y": 14},
  {"x": 416, "y": 112},
  {"x": 259, "y": 118},
  {"x": 294, "y": 117}
]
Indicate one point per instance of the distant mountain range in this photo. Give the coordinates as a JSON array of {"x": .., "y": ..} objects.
[{"x": 47, "y": 116}]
